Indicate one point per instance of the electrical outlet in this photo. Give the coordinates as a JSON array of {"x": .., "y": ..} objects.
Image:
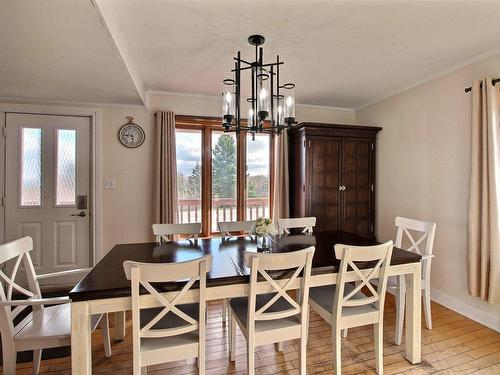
[{"x": 109, "y": 183}]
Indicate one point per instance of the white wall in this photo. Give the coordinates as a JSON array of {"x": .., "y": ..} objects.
[
  {"x": 127, "y": 210},
  {"x": 423, "y": 172}
]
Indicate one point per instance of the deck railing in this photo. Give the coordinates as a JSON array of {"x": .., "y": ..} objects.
[{"x": 223, "y": 209}]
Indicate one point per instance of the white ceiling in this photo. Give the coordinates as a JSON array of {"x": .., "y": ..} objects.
[
  {"x": 54, "y": 50},
  {"x": 339, "y": 53}
]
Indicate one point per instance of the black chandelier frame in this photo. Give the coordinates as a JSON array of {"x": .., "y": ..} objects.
[{"x": 234, "y": 123}]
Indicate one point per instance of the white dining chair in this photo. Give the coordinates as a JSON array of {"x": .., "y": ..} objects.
[
  {"x": 47, "y": 324},
  {"x": 344, "y": 305},
  {"x": 165, "y": 329},
  {"x": 305, "y": 223},
  {"x": 266, "y": 318},
  {"x": 164, "y": 231},
  {"x": 407, "y": 230},
  {"x": 228, "y": 228}
]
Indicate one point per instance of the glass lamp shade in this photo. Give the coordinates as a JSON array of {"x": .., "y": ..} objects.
[
  {"x": 263, "y": 93},
  {"x": 250, "y": 118},
  {"x": 228, "y": 107},
  {"x": 228, "y": 101},
  {"x": 289, "y": 103},
  {"x": 279, "y": 113}
]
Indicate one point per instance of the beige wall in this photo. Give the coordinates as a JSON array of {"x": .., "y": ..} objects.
[
  {"x": 127, "y": 209},
  {"x": 423, "y": 172}
]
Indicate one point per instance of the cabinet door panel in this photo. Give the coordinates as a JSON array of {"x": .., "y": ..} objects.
[
  {"x": 356, "y": 177},
  {"x": 324, "y": 176}
]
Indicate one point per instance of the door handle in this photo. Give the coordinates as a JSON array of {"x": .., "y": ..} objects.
[{"x": 81, "y": 214}]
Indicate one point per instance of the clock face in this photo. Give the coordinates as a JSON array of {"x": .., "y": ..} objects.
[{"x": 131, "y": 135}]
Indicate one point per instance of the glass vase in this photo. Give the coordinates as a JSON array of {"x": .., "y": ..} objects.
[{"x": 264, "y": 243}]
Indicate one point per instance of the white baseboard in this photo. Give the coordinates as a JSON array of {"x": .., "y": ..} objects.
[{"x": 489, "y": 320}]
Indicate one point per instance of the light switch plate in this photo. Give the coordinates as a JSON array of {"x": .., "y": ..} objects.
[{"x": 109, "y": 183}]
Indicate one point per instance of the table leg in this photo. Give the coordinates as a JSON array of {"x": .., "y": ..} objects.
[
  {"x": 119, "y": 332},
  {"x": 81, "y": 350},
  {"x": 413, "y": 315}
]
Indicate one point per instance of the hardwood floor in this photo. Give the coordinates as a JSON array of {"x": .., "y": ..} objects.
[{"x": 456, "y": 345}]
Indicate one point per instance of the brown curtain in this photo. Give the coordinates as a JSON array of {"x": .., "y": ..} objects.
[
  {"x": 484, "y": 204},
  {"x": 165, "y": 185},
  {"x": 280, "y": 192}
]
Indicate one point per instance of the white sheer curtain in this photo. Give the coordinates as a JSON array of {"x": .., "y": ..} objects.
[{"x": 484, "y": 204}]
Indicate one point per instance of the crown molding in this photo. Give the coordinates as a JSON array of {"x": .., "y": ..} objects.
[
  {"x": 65, "y": 103},
  {"x": 217, "y": 97}
]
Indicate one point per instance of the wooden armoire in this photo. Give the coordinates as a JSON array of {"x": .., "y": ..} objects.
[{"x": 332, "y": 175}]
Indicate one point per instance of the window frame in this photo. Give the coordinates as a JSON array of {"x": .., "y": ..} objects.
[{"x": 207, "y": 124}]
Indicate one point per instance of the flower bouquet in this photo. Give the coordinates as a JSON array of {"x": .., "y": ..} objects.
[{"x": 264, "y": 228}]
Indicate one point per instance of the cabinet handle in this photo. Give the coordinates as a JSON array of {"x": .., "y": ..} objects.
[{"x": 341, "y": 188}]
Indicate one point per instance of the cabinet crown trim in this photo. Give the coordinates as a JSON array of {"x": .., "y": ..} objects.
[{"x": 325, "y": 126}]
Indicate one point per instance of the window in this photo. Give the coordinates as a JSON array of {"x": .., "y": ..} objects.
[
  {"x": 258, "y": 177},
  {"x": 31, "y": 167},
  {"x": 66, "y": 167},
  {"x": 220, "y": 177},
  {"x": 224, "y": 180},
  {"x": 189, "y": 163}
]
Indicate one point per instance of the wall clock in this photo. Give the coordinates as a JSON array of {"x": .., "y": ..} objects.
[{"x": 131, "y": 135}]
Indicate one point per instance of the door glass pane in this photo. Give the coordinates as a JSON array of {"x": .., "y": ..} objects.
[
  {"x": 223, "y": 178},
  {"x": 66, "y": 167},
  {"x": 188, "y": 153},
  {"x": 257, "y": 199},
  {"x": 31, "y": 167}
]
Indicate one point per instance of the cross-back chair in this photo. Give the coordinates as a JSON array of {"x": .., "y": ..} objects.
[
  {"x": 344, "y": 305},
  {"x": 269, "y": 315},
  {"x": 306, "y": 223},
  {"x": 165, "y": 329},
  {"x": 163, "y": 232},
  {"x": 42, "y": 322},
  {"x": 419, "y": 235},
  {"x": 227, "y": 228}
]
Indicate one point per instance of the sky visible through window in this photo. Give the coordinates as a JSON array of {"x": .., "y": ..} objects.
[{"x": 189, "y": 153}]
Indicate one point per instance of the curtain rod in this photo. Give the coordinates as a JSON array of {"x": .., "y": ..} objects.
[{"x": 494, "y": 81}]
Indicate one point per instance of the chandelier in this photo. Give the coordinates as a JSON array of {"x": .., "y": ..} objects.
[{"x": 271, "y": 106}]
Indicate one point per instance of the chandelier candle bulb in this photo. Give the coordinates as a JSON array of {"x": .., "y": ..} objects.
[{"x": 250, "y": 119}]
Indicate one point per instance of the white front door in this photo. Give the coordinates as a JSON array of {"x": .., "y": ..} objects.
[{"x": 47, "y": 188}]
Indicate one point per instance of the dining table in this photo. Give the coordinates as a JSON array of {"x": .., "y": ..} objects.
[{"x": 105, "y": 289}]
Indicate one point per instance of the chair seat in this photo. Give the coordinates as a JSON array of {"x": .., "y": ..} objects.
[
  {"x": 323, "y": 297},
  {"x": 52, "y": 322},
  {"x": 170, "y": 320},
  {"x": 240, "y": 308}
]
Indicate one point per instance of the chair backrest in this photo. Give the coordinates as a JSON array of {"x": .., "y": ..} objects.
[
  {"x": 307, "y": 223},
  {"x": 227, "y": 227},
  {"x": 143, "y": 274},
  {"x": 424, "y": 245},
  {"x": 163, "y": 231},
  {"x": 381, "y": 256},
  {"x": 16, "y": 251},
  {"x": 262, "y": 264}
]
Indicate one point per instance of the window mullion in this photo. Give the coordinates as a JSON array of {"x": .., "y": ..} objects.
[{"x": 241, "y": 180}]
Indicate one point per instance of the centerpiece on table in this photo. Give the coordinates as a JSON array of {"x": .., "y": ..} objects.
[{"x": 264, "y": 229}]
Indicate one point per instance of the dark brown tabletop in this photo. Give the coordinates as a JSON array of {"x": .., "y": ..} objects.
[{"x": 107, "y": 278}]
